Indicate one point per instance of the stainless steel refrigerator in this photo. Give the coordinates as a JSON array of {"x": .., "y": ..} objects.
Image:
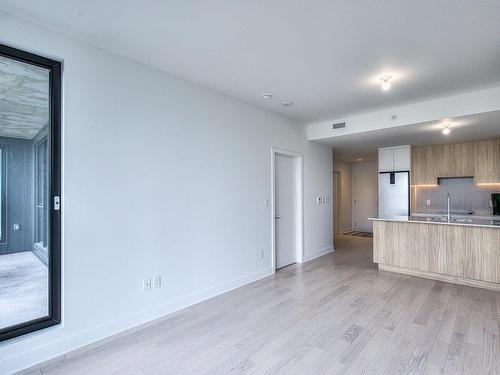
[{"x": 394, "y": 194}]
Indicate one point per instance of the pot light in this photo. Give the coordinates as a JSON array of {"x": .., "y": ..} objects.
[
  {"x": 446, "y": 131},
  {"x": 386, "y": 85},
  {"x": 267, "y": 96},
  {"x": 360, "y": 159},
  {"x": 286, "y": 104}
]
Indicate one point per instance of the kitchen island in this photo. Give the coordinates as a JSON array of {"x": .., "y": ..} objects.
[{"x": 461, "y": 251}]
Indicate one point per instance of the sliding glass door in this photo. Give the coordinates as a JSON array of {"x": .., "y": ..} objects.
[{"x": 30, "y": 211}]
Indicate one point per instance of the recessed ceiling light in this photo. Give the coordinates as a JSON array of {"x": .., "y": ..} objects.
[
  {"x": 267, "y": 96},
  {"x": 386, "y": 85},
  {"x": 286, "y": 104},
  {"x": 360, "y": 159},
  {"x": 446, "y": 131}
]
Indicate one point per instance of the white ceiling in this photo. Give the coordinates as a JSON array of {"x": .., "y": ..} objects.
[
  {"x": 24, "y": 99},
  {"x": 324, "y": 55},
  {"x": 365, "y": 145}
]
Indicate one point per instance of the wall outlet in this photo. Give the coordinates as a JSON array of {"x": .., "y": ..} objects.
[
  {"x": 428, "y": 202},
  {"x": 157, "y": 281},
  {"x": 261, "y": 254},
  {"x": 146, "y": 284}
]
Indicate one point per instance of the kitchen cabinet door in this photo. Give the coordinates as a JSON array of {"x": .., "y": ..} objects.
[
  {"x": 423, "y": 171},
  {"x": 463, "y": 159},
  {"x": 385, "y": 160},
  {"x": 402, "y": 158},
  {"x": 487, "y": 161}
]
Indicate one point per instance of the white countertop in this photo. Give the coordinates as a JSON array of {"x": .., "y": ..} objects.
[
  {"x": 459, "y": 220},
  {"x": 457, "y": 215}
]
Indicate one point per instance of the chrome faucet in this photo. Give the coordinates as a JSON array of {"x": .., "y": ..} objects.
[{"x": 448, "y": 199}]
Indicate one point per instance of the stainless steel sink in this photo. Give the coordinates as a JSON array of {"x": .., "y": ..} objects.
[{"x": 462, "y": 220}]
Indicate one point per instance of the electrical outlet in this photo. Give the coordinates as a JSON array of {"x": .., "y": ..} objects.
[
  {"x": 261, "y": 254},
  {"x": 146, "y": 284},
  {"x": 157, "y": 281}
]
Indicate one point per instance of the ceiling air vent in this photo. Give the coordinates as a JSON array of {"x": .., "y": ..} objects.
[{"x": 338, "y": 125}]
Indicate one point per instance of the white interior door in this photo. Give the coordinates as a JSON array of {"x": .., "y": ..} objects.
[{"x": 286, "y": 202}]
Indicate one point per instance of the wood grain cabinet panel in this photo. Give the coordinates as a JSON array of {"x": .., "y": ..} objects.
[
  {"x": 454, "y": 159},
  {"x": 443, "y": 159},
  {"x": 423, "y": 165},
  {"x": 463, "y": 157},
  {"x": 457, "y": 252},
  {"x": 487, "y": 161},
  {"x": 478, "y": 159}
]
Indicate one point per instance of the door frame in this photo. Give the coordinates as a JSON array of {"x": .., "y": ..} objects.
[
  {"x": 54, "y": 223},
  {"x": 300, "y": 203},
  {"x": 354, "y": 222},
  {"x": 337, "y": 191}
]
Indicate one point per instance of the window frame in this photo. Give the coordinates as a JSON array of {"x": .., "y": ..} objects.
[
  {"x": 54, "y": 222},
  {"x": 3, "y": 194}
]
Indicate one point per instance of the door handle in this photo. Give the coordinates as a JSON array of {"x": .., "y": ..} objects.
[{"x": 276, "y": 217}]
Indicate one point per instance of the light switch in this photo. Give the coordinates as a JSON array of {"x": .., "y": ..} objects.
[
  {"x": 428, "y": 202},
  {"x": 157, "y": 281},
  {"x": 318, "y": 200}
]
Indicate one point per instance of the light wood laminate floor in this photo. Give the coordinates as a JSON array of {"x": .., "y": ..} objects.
[{"x": 334, "y": 315}]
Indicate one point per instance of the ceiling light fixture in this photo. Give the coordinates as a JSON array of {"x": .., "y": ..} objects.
[
  {"x": 386, "y": 85},
  {"x": 446, "y": 130},
  {"x": 286, "y": 104},
  {"x": 360, "y": 159},
  {"x": 267, "y": 96}
]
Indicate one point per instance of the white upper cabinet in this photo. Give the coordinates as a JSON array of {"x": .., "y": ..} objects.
[
  {"x": 394, "y": 159},
  {"x": 402, "y": 158},
  {"x": 385, "y": 159}
]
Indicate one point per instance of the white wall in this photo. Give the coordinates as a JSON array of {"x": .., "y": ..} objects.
[
  {"x": 160, "y": 176},
  {"x": 366, "y": 174},
  {"x": 345, "y": 193}
]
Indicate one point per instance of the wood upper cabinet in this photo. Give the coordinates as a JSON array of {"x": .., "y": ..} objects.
[
  {"x": 423, "y": 161},
  {"x": 454, "y": 159},
  {"x": 487, "y": 161},
  {"x": 478, "y": 159},
  {"x": 464, "y": 159}
]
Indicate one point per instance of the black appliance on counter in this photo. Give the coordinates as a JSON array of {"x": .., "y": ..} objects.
[{"x": 495, "y": 200}]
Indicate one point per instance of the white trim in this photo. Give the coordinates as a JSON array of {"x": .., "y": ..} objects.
[
  {"x": 318, "y": 253},
  {"x": 111, "y": 330},
  {"x": 300, "y": 203}
]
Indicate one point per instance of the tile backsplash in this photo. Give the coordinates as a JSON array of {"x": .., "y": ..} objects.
[{"x": 465, "y": 197}]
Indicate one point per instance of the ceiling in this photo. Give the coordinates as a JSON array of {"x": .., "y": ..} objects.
[
  {"x": 24, "y": 99},
  {"x": 364, "y": 145},
  {"x": 326, "y": 56}
]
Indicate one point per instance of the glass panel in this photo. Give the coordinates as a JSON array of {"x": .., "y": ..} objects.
[{"x": 24, "y": 192}]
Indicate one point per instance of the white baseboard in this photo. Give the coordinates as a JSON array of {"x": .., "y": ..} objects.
[
  {"x": 318, "y": 253},
  {"x": 96, "y": 336}
]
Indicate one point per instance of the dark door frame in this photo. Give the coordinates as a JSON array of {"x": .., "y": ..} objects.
[{"x": 54, "y": 242}]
